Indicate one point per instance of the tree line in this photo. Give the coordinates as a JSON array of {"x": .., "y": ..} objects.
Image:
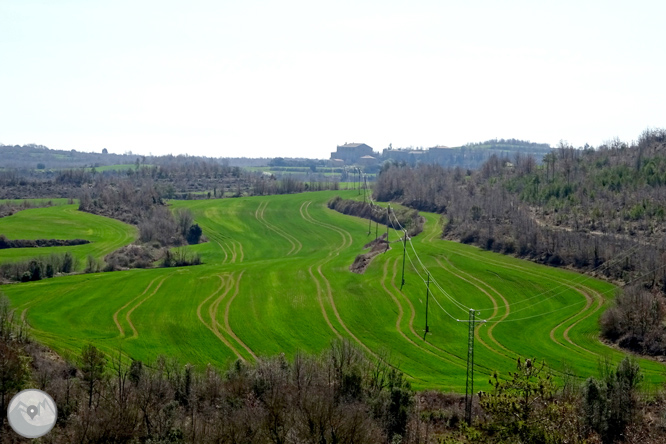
[{"x": 405, "y": 217}]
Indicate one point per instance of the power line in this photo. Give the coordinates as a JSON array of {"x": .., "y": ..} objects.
[
  {"x": 433, "y": 296},
  {"x": 578, "y": 302},
  {"x": 564, "y": 286},
  {"x": 561, "y": 285},
  {"x": 445, "y": 293},
  {"x": 437, "y": 285},
  {"x": 581, "y": 278}
]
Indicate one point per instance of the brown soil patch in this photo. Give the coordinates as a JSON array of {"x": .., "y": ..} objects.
[{"x": 362, "y": 261}]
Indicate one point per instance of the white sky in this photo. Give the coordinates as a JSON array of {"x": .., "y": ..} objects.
[{"x": 296, "y": 78}]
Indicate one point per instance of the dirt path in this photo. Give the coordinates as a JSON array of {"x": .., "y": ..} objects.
[
  {"x": 115, "y": 315},
  {"x": 135, "y": 333}
]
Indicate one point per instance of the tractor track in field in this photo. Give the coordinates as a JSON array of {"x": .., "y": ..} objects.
[
  {"x": 430, "y": 239},
  {"x": 231, "y": 246},
  {"x": 321, "y": 303},
  {"x": 318, "y": 285},
  {"x": 128, "y": 315},
  {"x": 507, "y": 353},
  {"x": 225, "y": 287},
  {"x": 562, "y": 282},
  {"x": 434, "y": 233},
  {"x": 344, "y": 233},
  {"x": 223, "y": 284},
  {"x": 411, "y": 325},
  {"x": 347, "y": 241},
  {"x": 226, "y": 317},
  {"x": 219, "y": 240},
  {"x": 215, "y": 325},
  {"x": 452, "y": 269},
  {"x": 115, "y": 315},
  {"x": 296, "y": 245},
  {"x": 232, "y": 249},
  {"x": 444, "y": 355},
  {"x": 589, "y": 301},
  {"x": 400, "y": 310},
  {"x": 240, "y": 249},
  {"x": 226, "y": 256}
]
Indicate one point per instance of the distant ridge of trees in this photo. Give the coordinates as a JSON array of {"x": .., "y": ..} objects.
[
  {"x": 512, "y": 144},
  {"x": 31, "y": 155},
  {"x": 470, "y": 155}
]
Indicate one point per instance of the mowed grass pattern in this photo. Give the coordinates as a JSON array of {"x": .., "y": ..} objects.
[
  {"x": 276, "y": 279},
  {"x": 64, "y": 222}
]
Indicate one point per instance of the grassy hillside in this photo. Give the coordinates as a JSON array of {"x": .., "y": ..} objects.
[
  {"x": 64, "y": 221},
  {"x": 276, "y": 279}
]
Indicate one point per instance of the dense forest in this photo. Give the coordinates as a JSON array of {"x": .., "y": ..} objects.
[
  {"x": 599, "y": 210},
  {"x": 39, "y": 157}
]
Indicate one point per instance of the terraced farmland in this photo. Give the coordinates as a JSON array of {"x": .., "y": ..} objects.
[{"x": 276, "y": 279}]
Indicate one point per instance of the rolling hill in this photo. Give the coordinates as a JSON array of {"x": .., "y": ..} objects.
[{"x": 275, "y": 279}]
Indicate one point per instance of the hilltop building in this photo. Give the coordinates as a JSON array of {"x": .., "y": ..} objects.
[
  {"x": 352, "y": 153},
  {"x": 408, "y": 155},
  {"x": 368, "y": 161}
]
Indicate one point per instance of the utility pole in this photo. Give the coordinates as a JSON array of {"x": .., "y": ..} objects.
[
  {"x": 404, "y": 253},
  {"x": 365, "y": 190},
  {"x": 387, "y": 224},
  {"x": 469, "y": 384},
  {"x": 376, "y": 230},
  {"x": 427, "y": 329},
  {"x": 359, "y": 180}
]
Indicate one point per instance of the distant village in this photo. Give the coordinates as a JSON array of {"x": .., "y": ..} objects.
[
  {"x": 469, "y": 156},
  {"x": 362, "y": 154}
]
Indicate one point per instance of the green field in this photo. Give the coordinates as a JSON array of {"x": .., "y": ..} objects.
[
  {"x": 121, "y": 167},
  {"x": 63, "y": 221},
  {"x": 35, "y": 202},
  {"x": 276, "y": 279}
]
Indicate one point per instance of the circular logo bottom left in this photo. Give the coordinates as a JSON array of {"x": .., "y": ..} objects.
[{"x": 32, "y": 413}]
